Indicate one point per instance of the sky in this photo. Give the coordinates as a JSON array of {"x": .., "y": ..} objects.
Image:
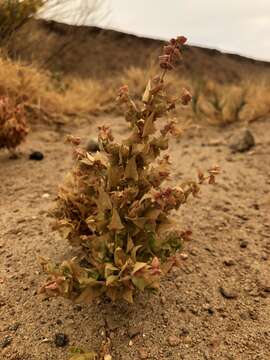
[{"x": 236, "y": 26}]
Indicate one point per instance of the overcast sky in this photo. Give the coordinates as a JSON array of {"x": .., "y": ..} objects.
[{"x": 238, "y": 26}]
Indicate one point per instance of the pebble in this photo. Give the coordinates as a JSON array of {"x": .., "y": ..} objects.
[
  {"x": 36, "y": 155},
  {"x": 61, "y": 340},
  {"x": 173, "y": 340},
  {"x": 243, "y": 244},
  {"x": 242, "y": 141},
  {"x": 227, "y": 292},
  {"x": 229, "y": 262}
]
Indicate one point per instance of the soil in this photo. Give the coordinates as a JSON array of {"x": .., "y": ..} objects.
[{"x": 214, "y": 305}]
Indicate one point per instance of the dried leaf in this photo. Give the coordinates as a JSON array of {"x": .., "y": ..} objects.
[
  {"x": 147, "y": 93},
  {"x": 149, "y": 127},
  {"x": 115, "y": 223},
  {"x": 131, "y": 171}
]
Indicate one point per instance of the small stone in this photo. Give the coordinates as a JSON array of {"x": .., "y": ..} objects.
[
  {"x": 143, "y": 353},
  {"x": 61, "y": 340},
  {"x": 36, "y": 155},
  {"x": 92, "y": 145},
  {"x": 243, "y": 244},
  {"x": 227, "y": 292},
  {"x": 183, "y": 256},
  {"x": 229, "y": 262},
  {"x": 173, "y": 340},
  {"x": 45, "y": 196},
  {"x": 133, "y": 331},
  {"x": 242, "y": 141},
  {"x": 5, "y": 342}
]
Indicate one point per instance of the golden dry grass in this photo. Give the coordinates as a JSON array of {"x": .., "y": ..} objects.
[{"x": 48, "y": 95}]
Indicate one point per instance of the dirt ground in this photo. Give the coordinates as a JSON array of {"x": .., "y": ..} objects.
[{"x": 215, "y": 305}]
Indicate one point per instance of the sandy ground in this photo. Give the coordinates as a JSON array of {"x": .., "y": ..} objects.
[{"x": 215, "y": 305}]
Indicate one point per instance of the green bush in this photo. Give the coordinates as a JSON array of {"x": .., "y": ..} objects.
[{"x": 113, "y": 205}]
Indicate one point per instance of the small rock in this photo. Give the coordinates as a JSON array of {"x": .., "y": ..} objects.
[
  {"x": 45, "y": 196},
  {"x": 229, "y": 262},
  {"x": 243, "y": 244},
  {"x": 5, "y": 342},
  {"x": 227, "y": 292},
  {"x": 173, "y": 340},
  {"x": 92, "y": 145},
  {"x": 143, "y": 353},
  {"x": 133, "y": 331},
  {"x": 61, "y": 340},
  {"x": 242, "y": 141},
  {"x": 36, "y": 155}
]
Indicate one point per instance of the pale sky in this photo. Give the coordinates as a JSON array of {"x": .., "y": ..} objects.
[{"x": 237, "y": 26}]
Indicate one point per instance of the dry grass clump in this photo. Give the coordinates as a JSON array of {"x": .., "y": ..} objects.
[
  {"x": 43, "y": 97},
  {"x": 114, "y": 205},
  {"x": 223, "y": 104}
]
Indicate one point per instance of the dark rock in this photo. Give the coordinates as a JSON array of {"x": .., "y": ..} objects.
[
  {"x": 227, "y": 292},
  {"x": 242, "y": 141},
  {"x": 5, "y": 342},
  {"x": 92, "y": 145},
  {"x": 243, "y": 244},
  {"x": 36, "y": 155},
  {"x": 61, "y": 340}
]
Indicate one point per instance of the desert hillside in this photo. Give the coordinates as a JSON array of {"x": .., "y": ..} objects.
[{"x": 93, "y": 52}]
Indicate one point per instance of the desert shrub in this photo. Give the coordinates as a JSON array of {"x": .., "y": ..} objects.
[
  {"x": 218, "y": 103},
  {"x": 13, "y": 129},
  {"x": 113, "y": 206},
  {"x": 14, "y": 13}
]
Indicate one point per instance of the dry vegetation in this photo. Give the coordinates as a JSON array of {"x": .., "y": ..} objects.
[{"x": 48, "y": 95}]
